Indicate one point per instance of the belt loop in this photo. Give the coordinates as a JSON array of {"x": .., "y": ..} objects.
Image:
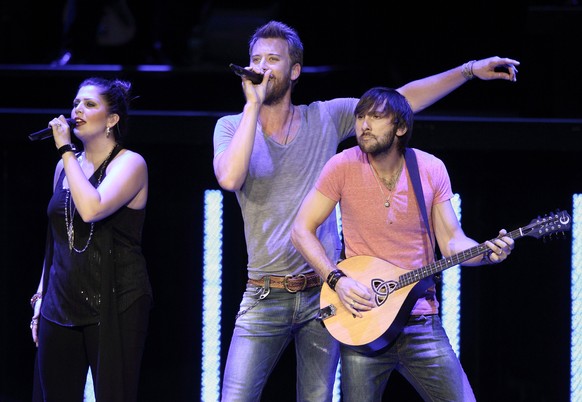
[{"x": 266, "y": 287}]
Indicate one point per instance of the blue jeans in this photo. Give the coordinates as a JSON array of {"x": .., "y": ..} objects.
[
  {"x": 263, "y": 329},
  {"x": 422, "y": 354}
]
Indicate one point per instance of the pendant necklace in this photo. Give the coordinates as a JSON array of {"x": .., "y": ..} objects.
[
  {"x": 390, "y": 185},
  {"x": 70, "y": 210},
  {"x": 290, "y": 123}
]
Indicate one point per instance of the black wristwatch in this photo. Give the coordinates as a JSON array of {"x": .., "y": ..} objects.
[{"x": 67, "y": 148}]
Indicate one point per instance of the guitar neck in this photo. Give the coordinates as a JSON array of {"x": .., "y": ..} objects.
[{"x": 447, "y": 262}]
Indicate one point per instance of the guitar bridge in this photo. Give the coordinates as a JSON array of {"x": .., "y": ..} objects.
[{"x": 326, "y": 312}]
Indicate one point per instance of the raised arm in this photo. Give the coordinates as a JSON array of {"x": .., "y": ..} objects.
[
  {"x": 126, "y": 184},
  {"x": 426, "y": 91},
  {"x": 231, "y": 165}
]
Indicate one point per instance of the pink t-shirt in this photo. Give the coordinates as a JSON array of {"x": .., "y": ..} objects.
[{"x": 396, "y": 233}]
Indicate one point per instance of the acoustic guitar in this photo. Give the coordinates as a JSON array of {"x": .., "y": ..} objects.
[{"x": 396, "y": 290}]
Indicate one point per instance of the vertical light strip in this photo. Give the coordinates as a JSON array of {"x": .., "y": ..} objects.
[
  {"x": 576, "y": 308},
  {"x": 337, "y": 385},
  {"x": 89, "y": 395},
  {"x": 338, "y": 218},
  {"x": 451, "y": 295},
  {"x": 211, "y": 296}
]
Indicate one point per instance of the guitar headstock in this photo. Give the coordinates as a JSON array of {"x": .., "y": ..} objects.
[{"x": 555, "y": 222}]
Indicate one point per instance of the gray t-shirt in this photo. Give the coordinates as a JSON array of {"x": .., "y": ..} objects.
[{"x": 279, "y": 178}]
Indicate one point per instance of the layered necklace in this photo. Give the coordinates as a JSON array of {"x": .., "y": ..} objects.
[
  {"x": 390, "y": 184},
  {"x": 70, "y": 210}
]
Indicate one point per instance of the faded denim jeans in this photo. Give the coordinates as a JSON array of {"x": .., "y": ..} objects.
[
  {"x": 422, "y": 353},
  {"x": 263, "y": 329}
]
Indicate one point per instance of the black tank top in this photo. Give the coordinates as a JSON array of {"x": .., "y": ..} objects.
[{"x": 111, "y": 267}]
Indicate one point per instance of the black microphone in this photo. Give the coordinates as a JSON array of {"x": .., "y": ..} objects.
[
  {"x": 48, "y": 132},
  {"x": 255, "y": 78}
]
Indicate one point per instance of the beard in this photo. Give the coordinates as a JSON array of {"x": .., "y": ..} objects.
[
  {"x": 381, "y": 144},
  {"x": 277, "y": 90}
]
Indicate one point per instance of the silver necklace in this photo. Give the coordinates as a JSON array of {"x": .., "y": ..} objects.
[
  {"x": 290, "y": 123},
  {"x": 393, "y": 181},
  {"x": 70, "y": 210}
]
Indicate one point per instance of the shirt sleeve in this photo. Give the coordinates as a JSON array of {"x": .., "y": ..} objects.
[{"x": 224, "y": 131}]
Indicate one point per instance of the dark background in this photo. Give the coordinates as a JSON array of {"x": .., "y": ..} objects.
[{"x": 512, "y": 149}]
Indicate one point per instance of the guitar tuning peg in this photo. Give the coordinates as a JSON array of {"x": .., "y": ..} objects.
[{"x": 555, "y": 236}]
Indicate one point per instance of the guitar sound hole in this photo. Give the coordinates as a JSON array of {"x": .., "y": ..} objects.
[{"x": 382, "y": 290}]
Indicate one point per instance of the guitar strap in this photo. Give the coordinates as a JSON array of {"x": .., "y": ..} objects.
[{"x": 412, "y": 166}]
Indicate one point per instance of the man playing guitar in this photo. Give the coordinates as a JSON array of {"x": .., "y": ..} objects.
[{"x": 381, "y": 218}]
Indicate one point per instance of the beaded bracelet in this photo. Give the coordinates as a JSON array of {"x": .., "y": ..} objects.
[
  {"x": 333, "y": 277},
  {"x": 35, "y": 297},
  {"x": 467, "y": 70}
]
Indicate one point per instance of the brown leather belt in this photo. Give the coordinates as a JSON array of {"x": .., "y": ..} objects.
[{"x": 291, "y": 283}]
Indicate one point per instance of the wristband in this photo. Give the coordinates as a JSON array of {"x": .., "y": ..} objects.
[
  {"x": 67, "y": 148},
  {"x": 333, "y": 277}
]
